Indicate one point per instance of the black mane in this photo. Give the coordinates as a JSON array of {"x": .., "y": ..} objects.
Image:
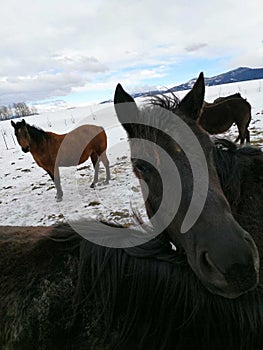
[
  {"x": 230, "y": 164},
  {"x": 240, "y": 171},
  {"x": 153, "y": 303},
  {"x": 170, "y": 102},
  {"x": 36, "y": 133}
]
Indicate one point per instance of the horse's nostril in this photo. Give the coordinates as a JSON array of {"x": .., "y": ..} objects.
[
  {"x": 206, "y": 263},
  {"x": 229, "y": 276},
  {"x": 249, "y": 240},
  {"x": 209, "y": 269},
  {"x": 25, "y": 149},
  {"x": 203, "y": 258}
]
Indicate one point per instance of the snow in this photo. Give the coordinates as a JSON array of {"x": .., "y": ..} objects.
[{"x": 27, "y": 194}]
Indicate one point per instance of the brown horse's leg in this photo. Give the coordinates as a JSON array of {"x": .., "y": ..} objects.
[
  {"x": 243, "y": 130},
  {"x": 96, "y": 164},
  {"x": 242, "y": 133},
  {"x": 247, "y": 136},
  {"x": 59, "y": 194},
  {"x": 237, "y": 139},
  {"x": 106, "y": 163},
  {"x": 247, "y": 131}
]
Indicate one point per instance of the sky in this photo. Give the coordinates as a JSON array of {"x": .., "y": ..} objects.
[{"x": 77, "y": 51}]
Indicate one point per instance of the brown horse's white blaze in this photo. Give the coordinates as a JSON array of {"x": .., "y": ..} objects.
[
  {"x": 222, "y": 255},
  {"x": 50, "y": 150}
]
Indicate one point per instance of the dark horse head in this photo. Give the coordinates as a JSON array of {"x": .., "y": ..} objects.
[
  {"x": 22, "y": 135},
  {"x": 177, "y": 184}
]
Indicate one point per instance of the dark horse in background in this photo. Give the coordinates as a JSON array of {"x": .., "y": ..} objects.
[
  {"x": 60, "y": 291},
  {"x": 218, "y": 117},
  {"x": 50, "y": 150}
]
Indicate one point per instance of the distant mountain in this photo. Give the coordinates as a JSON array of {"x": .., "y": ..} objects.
[
  {"x": 236, "y": 75},
  {"x": 239, "y": 74}
]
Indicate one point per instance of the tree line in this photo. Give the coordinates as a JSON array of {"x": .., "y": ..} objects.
[{"x": 17, "y": 110}]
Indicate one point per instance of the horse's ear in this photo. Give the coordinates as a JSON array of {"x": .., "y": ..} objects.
[
  {"x": 192, "y": 103},
  {"x": 126, "y": 109},
  {"x": 13, "y": 124},
  {"x": 23, "y": 122}
]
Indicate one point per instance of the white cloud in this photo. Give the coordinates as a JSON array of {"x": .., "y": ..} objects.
[
  {"x": 195, "y": 47},
  {"x": 53, "y": 47}
]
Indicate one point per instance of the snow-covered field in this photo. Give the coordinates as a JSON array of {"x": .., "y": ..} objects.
[{"x": 27, "y": 194}]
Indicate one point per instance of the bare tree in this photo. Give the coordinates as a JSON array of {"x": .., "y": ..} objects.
[
  {"x": 4, "y": 112},
  {"x": 17, "y": 110}
]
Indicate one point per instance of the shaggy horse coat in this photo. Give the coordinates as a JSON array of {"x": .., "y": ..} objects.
[
  {"x": 59, "y": 291},
  {"x": 241, "y": 175}
]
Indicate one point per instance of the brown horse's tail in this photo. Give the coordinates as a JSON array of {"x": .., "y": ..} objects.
[
  {"x": 249, "y": 111},
  {"x": 247, "y": 135}
]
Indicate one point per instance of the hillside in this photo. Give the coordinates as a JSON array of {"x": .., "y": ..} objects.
[{"x": 233, "y": 76}]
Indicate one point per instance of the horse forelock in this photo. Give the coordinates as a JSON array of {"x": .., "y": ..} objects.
[
  {"x": 160, "y": 115},
  {"x": 169, "y": 102}
]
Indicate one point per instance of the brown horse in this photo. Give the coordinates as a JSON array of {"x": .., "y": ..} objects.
[
  {"x": 50, "y": 150},
  {"x": 218, "y": 117}
]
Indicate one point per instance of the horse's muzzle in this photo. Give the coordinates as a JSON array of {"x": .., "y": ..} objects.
[
  {"x": 26, "y": 149},
  {"x": 227, "y": 272}
]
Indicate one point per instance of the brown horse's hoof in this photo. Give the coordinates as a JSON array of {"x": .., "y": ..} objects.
[
  {"x": 59, "y": 199},
  {"x": 106, "y": 182},
  {"x": 92, "y": 185}
]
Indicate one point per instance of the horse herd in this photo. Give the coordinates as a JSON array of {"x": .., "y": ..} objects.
[{"x": 60, "y": 291}]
